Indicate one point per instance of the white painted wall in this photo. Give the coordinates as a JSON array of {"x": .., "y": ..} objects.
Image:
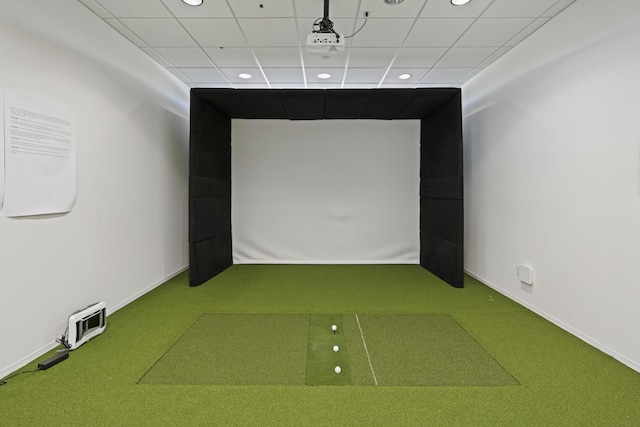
[
  {"x": 127, "y": 232},
  {"x": 552, "y": 152}
]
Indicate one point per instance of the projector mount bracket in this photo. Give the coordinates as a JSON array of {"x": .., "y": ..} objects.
[
  {"x": 324, "y": 38},
  {"x": 324, "y": 24}
]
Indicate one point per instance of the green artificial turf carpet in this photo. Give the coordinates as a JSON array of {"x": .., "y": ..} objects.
[{"x": 563, "y": 381}]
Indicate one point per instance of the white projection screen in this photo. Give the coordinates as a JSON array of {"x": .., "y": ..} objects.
[{"x": 325, "y": 191}]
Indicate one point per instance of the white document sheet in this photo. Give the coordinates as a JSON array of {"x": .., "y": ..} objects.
[{"x": 40, "y": 159}]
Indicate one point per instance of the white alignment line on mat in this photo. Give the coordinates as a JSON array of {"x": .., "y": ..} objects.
[{"x": 375, "y": 380}]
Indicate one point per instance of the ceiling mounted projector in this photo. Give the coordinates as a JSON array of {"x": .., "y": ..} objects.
[
  {"x": 325, "y": 42},
  {"x": 323, "y": 38}
]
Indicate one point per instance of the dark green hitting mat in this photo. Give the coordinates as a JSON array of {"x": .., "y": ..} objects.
[
  {"x": 298, "y": 349},
  {"x": 420, "y": 350},
  {"x": 237, "y": 349}
]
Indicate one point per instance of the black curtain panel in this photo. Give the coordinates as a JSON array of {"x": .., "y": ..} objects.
[
  {"x": 439, "y": 109},
  {"x": 210, "y": 249},
  {"x": 441, "y": 193}
]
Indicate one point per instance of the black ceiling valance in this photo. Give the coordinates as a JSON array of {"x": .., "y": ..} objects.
[{"x": 320, "y": 104}]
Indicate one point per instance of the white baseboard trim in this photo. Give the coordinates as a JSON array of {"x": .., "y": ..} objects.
[
  {"x": 27, "y": 359},
  {"x": 573, "y": 331},
  {"x": 43, "y": 350},
  {"x": 143, "y": 291}
]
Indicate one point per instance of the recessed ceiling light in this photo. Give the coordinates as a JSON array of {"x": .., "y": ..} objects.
[
  {"x": 393, "y": 2},
  {"x": 192, "y": 2},
  {"x": 459, "y": 2},
  {"x": 324, "y": 75},
  {"x": 404, "y": 76},
  {"x": 245, "y": 76}
]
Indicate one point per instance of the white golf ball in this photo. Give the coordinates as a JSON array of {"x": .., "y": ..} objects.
[
  {"x": 337, "y": 369},
  {"x": 334, "y": 328},
  {"x": 336, "y": 348}
]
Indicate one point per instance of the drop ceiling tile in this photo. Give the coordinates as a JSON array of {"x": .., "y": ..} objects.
[
  {"x": 203, "y": 75},
  {"x": 444, "y": 9},
  {"x": 157, "y": 57},
  {"x": 497, "y": 54},
  {"x": 416, "y": 75},
  {"x": 276, "y": 85},
  {"x": 231, "y": 56},
  {"x": 379, "y": 9},
  {"x": 119, "y": 27},
  {"x": 327, "y": 59},
  {"x": 262, "y": 8},
  {"x": 493, "y": 31},
  {"x": 465, "y": 57},
  {"x": 360, "y": 85},
  {"x": 232, "y": 75},
  {"x": 393, "y": 85},
  {"x": 471, "y": 74},
  {"x": 160, "y": 32},
  {"x": 135, "y": 9},
  {"x": 278, "y": 56},
  {"x": 419, "y": 56},
  {"x": 305, "y": 27},
  {"x": 215, "y": 32},
  {"x": 315, "y": 9},
  {"x": 353, "y": 32},
  {"x": 557, "y": 8},
  {"x": 450, "y": 44},
  {"x": 371, "y": 57},
  {"x": 336, "y": 75},
  {"x": 444, "y": 75},
  {"x": 96, "y": 8},
  {"x": 356, "y": 26},
  {"x": 452, "y": 84},
  {"x": 283, "y": 75},
  {"x": 185, "y": 56},
  {"x": 214, "y": 85},
  {"x": 517, "y": 8},
  {"x": 364, "y": 75},
  {"x": 263, "y": 85},
  {"x": 382, "y": 33},
  {"x": 273, "y": 32},
  {"x": 346, "y": 27},
  {"x": 324, "y": 85},
  {"x": 208, "y": 9},
  {"x": 437, "y": 32},
  {"x": 179, "y": 75},
  {"x": 533, "y": 27}
]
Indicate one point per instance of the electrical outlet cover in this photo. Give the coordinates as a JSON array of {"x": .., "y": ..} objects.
[{"x": 525, "y": 274}]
